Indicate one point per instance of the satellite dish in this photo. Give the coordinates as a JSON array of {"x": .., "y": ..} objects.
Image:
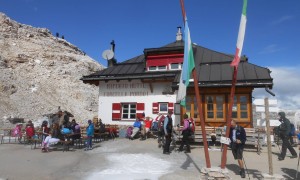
[{"x": 108, "y": 54}]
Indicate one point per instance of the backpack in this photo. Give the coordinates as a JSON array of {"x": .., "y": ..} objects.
[
  {"x": 154, "y": 126},
  {"x": 160, "y": 122},
  {"x": 16, "y": 131},
  {"x": 129, "y": 132},
  {"x": 292, "y": 132},
  {"x": 66, "y": 131},
  {"x": 191, "y": 125}
]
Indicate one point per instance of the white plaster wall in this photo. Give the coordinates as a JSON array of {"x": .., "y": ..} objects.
[{"x": 105, "y": 102}]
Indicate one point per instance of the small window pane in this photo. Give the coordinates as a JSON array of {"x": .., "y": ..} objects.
[
  {"x": 210, "y": 115},
  {"x": 125, "y": 110},
  {"x": 133, "y": 106},
  {"x": 243, "y": 99},
  {"x": 220, "y": 107},
  {"x": 163, "y": 107},
  {"x": 152, "y": 68},
  {"x": 132, "y": 110},
  {"x": 162, "y": 67},
  {"x": 220, "y": 99},
  {"x": 132, "y": 116},
  {"x": 210, "y": 107},
  {"x": 243, "y": 106},
  {"x": 125, "y": 106},
  {"x": 188, "y": 107},
  {"x": 209, "y": 100},
  {"x": 219, "y": 114},
  {"x": 174, "y": 66},
  {"x": 244, "y": 115},
  {"x": 125, "y": 116},
  {"x": 234, "y": 114}
]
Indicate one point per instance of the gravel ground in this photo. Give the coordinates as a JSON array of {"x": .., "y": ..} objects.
[{"x": 128, "y": 160}]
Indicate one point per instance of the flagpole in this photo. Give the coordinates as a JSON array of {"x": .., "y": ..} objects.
[
  {"x": 199, "y": 105},
  {"x": 229, "y": 115}
]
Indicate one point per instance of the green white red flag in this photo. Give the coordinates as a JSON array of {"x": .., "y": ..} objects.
[{"x": 241, "y": 37}]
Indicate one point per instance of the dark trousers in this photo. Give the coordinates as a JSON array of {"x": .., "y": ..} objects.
[
  {"x": 185, "y": 141},
  {"x": 286, "y": 145},
  {"x": 168, "y": 142}
]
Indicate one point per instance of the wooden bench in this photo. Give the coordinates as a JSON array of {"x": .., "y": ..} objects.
[{"x": 254, "y": 138}]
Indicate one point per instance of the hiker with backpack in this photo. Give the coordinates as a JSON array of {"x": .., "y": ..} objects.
[
  {"x": 186, "y": 133},
  {"x": 168, "y": 127},
  {"x": 284, "y": 130},
  {"x": 292, "y": 134},
  {"x": 158, "y": 124},
  {"x": 17, "y": 132},
  {"x": 238, "y": 138}
]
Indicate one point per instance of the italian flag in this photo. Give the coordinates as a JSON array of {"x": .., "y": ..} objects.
[
  {"x": 241, "y": 36},
  {"x": 188, "y": 66}
]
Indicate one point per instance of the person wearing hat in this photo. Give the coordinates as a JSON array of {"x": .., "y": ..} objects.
[
  {"x": 283, "y": 130},
  {"x": 90, "y": 133},
  {"x": 168, "y": 126}
]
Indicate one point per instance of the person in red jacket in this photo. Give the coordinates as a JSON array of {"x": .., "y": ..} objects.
[{"x": 29, "y": 130}]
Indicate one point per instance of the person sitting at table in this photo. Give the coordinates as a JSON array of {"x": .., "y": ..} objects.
[
  {"x": 45, "y": 130},
  {"x": 29, "y": 130},
  {"x": 136, "y": 128},
  {"x": 52, "y": 138},
  {"x": 76, "y": 130}
]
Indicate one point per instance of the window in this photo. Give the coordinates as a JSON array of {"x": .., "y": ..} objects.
[
  {"x": 162, "y": 67},
  {"x": 163, "y": 107},
  {"x": 214, "y": 107},
  {"x": 240, "y": 108},
  {"x": 152, "y": 68},
  {"x": 128, "y": 111},
  {"x": 174, "y": 66}
]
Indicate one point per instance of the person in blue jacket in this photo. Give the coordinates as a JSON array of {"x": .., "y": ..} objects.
[
  {"x": 136, "y": 127},
  {"x": 90, "y": 133}
]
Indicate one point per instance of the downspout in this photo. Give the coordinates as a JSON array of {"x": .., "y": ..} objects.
[{"x": 269, "y": 91}]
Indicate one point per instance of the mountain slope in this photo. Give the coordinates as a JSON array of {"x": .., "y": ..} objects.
[{"x": 39, "y": 72}]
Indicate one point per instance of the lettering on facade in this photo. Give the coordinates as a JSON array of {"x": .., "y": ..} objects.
[{"x": 123, "y": 89}]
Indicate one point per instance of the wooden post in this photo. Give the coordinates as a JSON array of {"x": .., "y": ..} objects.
[
  {"x": 268, "y": 137},
  {"x": 229, "y": 117},
  {"x": 199, "y": 105}
]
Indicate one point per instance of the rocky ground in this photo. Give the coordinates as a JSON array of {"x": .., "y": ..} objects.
[
  {"x": 39, "y": 72},
  {"x": 128, "y": 160}
]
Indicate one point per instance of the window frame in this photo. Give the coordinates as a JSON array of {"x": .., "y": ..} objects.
[
  {"x": 239, "y": 111},
  {"x": 215, "y": 109},
  {"x": 167, "y": 105},
  {"x": 129, "y": 111}
]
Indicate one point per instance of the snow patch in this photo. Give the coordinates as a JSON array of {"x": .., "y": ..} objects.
[{"x": 133, "y": 166}]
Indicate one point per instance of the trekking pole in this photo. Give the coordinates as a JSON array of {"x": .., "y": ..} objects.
[
  {"x": 298, "y": 167},
  {"x": 246, "y": 168}
]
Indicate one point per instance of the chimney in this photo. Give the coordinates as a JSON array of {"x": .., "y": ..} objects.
[
  {"x": 179, "y": 34},
  {"x": 113, "y": 61},
  {"x": 113, "y": 45}
]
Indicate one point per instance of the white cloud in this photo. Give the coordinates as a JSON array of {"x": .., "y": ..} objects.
[
  {"x": 272, "y": 48},
  {"x": 286, "y": 87},
  {"x": 282, "y": 19}
]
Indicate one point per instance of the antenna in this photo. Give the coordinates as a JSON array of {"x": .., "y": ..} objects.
[{"x": 108, "y": 54}]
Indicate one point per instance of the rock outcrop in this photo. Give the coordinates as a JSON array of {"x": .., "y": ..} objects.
[{"x": 39, "y": 72}]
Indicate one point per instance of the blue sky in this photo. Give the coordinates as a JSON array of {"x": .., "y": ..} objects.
[{"x": 272, "y": 34}]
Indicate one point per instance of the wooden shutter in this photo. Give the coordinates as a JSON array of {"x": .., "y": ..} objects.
[
  {"x": 140, "y": 109},
  {"x": 116, "y": 111},
  {"x": 155, "y": 108},
  {"x": 171, "y": 107}
]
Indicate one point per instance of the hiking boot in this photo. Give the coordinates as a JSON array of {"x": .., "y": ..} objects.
[
  {"x": 167, "y": 153},
  {"x": 242, "y": 173},
  {"x": 159, "y": 145},
  {"x": 187, "y": 151},
  {"x": 280, "y": 158},
  {"x": 294, "y": 156}
]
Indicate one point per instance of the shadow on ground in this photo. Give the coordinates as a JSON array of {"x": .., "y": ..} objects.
[
  {"x": 188, "y": 161},
  {"x": 290, "y": 173},
  {"x": 253, "y": 173}
]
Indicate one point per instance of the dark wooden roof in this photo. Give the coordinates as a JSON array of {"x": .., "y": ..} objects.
[{"x": 213, "y": 69}]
